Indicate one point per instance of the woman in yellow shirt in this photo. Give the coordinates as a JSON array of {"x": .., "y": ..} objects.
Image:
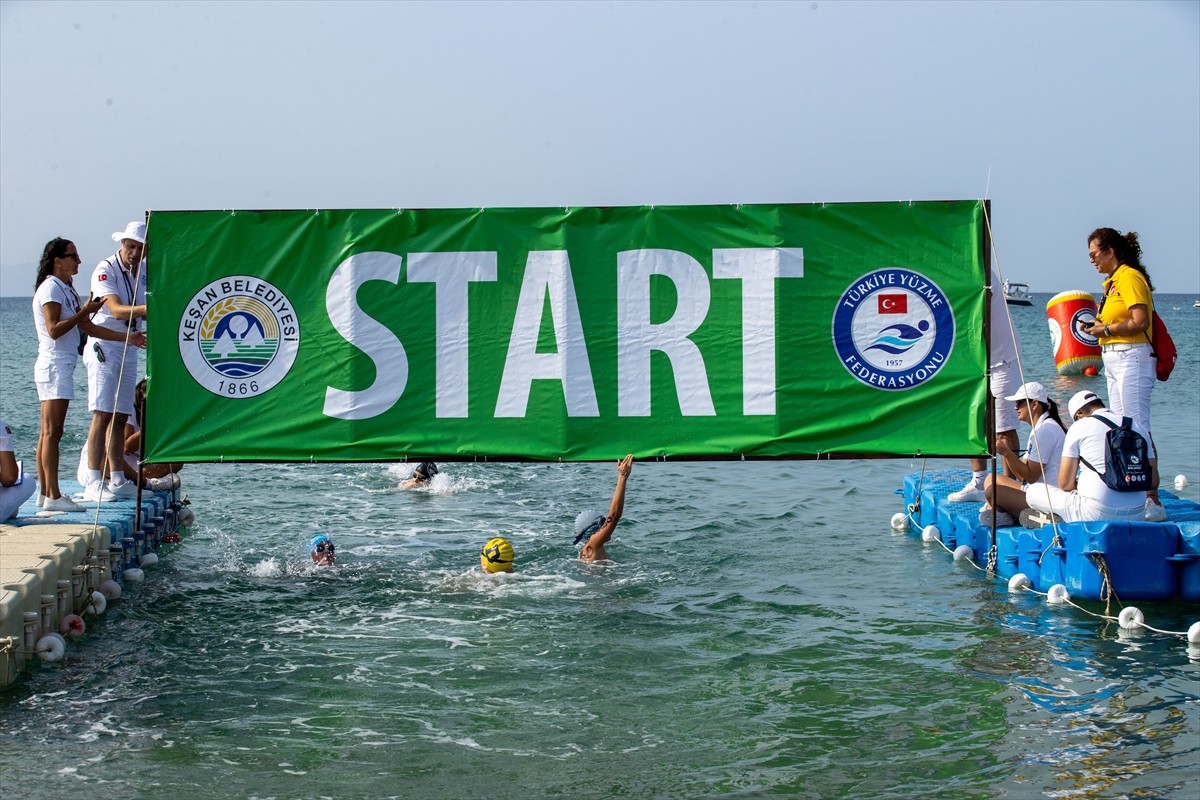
[{"x": 1123, "y": 327}]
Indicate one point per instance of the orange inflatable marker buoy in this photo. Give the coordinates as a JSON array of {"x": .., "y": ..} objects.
[{"x": 1075, "y": 353}]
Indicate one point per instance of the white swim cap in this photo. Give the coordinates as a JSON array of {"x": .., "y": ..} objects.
[{"x": 587, "y": 523}]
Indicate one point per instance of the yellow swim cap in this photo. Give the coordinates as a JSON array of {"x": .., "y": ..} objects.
[{"x": 497, "y": 556}]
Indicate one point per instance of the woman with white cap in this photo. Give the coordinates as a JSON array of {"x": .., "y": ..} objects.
[
  {"x": 1040, "y": 465},
  {"x": 60, "y": 320},
  {"x": 595, "y": 529},
  {"x": 120, "y": 282}
]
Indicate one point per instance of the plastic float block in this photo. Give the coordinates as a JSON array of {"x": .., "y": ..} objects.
[
  {"x": 1137, "y": 555},
  {"x": 1188, "y": 561}
]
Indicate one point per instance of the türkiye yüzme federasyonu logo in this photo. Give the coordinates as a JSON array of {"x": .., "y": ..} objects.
[
  {"x": 893, "y": 329},
  {"x": 238, "y": 336}
]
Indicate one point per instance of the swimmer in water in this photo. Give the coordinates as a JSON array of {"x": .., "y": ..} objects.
[
  {"x": 421, "y": 476},
  {"x": 595, "y": 529},
  {"x": 497, "y": 556},
  {"x": 323, "y": 551}
]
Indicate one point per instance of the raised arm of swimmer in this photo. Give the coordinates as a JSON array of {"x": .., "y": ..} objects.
[{"x": 594, "y": 550}]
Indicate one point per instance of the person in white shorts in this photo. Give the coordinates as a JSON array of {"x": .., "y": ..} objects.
[
  {"x": 1005, "y": 348},
  {"x": 119, "y": 281},
  {"x": 1040, "y": 466},
  {"x": 1087, "y": 497},
  {"x": 60, "y": 320},
  {"x": 15, "y": 488}
]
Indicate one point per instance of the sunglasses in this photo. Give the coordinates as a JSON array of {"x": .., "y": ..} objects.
[{"x": 71, "y": 255}]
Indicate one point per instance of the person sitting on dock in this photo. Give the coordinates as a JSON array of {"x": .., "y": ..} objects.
[
  {"x": 323, "y": 551},
  {"x": 1082, "y": 496},
  {"x": 1043, "y": 457},
  {"x": 15, "y": 488},
  {"x": 595, "y": 529},
  {"x": 421, "y": 476},
  {"x": 497, "y": 556}
]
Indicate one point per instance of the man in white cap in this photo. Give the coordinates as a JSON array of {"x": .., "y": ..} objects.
[
  {"x": 1082, "y": 494},
  {"x": 112, "y": 367}
]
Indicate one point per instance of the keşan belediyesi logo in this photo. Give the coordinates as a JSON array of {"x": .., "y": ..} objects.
[
  {"x": 893, "y": 329},
  {"x": 239, "y": 336}
]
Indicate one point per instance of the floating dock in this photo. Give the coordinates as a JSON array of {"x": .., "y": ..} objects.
[
  {"x": 1092, "y": 560},
  {"x": 58, "y": 569}
]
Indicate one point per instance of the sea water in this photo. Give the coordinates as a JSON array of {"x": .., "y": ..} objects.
[{"x": 761, "y": 632}]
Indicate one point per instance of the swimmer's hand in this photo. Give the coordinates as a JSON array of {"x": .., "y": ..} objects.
[{"x": 624, "y": 466}]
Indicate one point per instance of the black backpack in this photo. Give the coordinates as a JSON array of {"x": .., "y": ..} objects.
[{"x": 1126, "y": 458}]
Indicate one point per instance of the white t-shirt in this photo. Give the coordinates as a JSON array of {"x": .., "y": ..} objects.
[
  {"x": 1086, "y": 439},
  {"x": 111, "y": 277},
  {"x": 5, "y": 437},
  {"x": 1005, "y": 343},
  {"x": 1046, "y": 447},
  {"x": 64, "y": 349}
]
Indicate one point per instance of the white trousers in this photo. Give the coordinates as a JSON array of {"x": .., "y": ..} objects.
[
  {"x": 1074, "y": 507},
  {"x": 1130, "y": 372}
]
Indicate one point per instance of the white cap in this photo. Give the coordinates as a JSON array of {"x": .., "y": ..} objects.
[
  {"x": 134, "y": 230},
  {"x": 1031, "y": 391},
  {"x": 588, "y": 522},
  {"x": 1081, "y": 399}
]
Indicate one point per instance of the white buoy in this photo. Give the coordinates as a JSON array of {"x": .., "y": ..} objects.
[
  {"x": 97, "y": 604},
  {"x": 1181, "y": 482},
  {"x": 1194, "y": 633},
  {"x": 899, "y": 521},
  {"x": 964, "y": 552},
  {"x": 1018, "y": 582},
  {"x": 148, "y": 560},
  {"x": 187, "y": 517},
  {"x": 134, "y": 575},
  {"x": 1057, "y": 595},
  {"x": 50, "y": 647},
  {"x": 931, "y": 534},
  {"x": 1130, "y": 618},
  {"x": 111, "y": 590},
  {"x": 73, "y": 625}
]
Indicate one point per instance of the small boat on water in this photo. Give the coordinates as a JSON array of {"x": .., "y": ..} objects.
[{"x": 1017, "y": 294}]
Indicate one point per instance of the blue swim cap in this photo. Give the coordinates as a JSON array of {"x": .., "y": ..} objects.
[{"x": 320, "y": 537}]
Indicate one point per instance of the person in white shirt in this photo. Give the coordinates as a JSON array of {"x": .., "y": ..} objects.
[
  {"x": 1083, "y": 495},
  {"x": 60, "y": 320},
  {"x": 1005, "y": 347},
  {"x": 1038, "y": 469},
  {"x": 15, "y": 488},
  {"x": 120, "y": 282}
]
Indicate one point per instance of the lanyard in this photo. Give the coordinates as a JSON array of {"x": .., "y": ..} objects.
[
  {"x": 69, "y": 292},
  {"x": 128, "y": 287}
]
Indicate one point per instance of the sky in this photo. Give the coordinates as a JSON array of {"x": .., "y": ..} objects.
[{"x": 1068, "y": 116}]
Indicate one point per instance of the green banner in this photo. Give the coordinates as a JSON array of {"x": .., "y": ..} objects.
[{"x": 567, "y": 333}]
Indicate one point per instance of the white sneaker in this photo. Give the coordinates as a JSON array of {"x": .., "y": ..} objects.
[
  {"x": 968, "y": 494},
  {"x": 63, "y": 503},
  {"x": 126, "y": 491},
  {"x": 1033, "y": 519},
  {"x": 1003, "y": 518},
  {"x": 1154, "y": 511},
  {"x": 97, "y": 492},
  {"x": 41, "y": 501},
  {"x": 163, "y": 484}
]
